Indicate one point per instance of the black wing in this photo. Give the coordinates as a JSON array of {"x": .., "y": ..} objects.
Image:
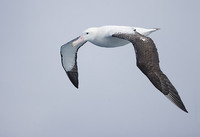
[
  {"x": 148, "y": 63},
  {"x": 69, "y": 60}
]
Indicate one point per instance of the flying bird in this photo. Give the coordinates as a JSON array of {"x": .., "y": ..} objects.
[{"x": 115, "y": 36}]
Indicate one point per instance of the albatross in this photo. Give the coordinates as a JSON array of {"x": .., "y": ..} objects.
[{"x": 115, "y": 36}]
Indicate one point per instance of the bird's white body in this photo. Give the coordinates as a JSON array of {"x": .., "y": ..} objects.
[{"x": 103, "y": 35}]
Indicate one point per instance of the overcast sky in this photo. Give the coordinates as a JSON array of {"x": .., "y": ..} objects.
[{"x": 114, "y": 98}]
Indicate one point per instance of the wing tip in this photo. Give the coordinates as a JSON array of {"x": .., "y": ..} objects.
[
  {"x": 73, "y": 76},
  {"x": 185, "y": 111},
  {"x": 177, "y": 101}
]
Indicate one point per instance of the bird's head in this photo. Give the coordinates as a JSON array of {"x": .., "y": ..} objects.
[{"x": 88, "y": 35}]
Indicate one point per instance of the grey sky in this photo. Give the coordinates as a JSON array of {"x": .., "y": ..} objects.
[{"x": 114, "y": 98}]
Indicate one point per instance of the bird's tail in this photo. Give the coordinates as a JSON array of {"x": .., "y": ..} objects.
[{"x": 146, "y": 32}]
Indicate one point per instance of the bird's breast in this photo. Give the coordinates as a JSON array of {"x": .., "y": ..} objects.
[{"x": 109, "y": 42}]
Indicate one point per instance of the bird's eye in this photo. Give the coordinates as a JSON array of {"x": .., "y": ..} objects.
[{"x": 87, "y": 33}]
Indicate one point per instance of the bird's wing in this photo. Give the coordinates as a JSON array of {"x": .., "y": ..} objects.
[
  {"x": 69, "y": 60},
  {"x": 148, "y": 63}
]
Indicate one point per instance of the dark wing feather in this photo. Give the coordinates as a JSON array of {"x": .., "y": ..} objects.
[
  {"x": 148, "y": 63},
  {"x": 69, "y": 60}
]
